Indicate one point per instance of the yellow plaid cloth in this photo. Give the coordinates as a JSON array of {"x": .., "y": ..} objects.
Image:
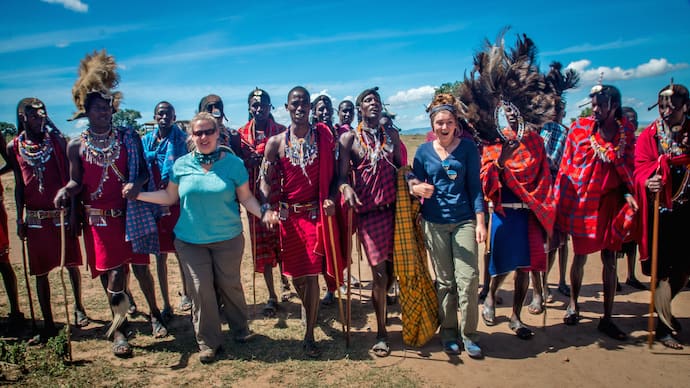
[{"x": 418, "y": 302}]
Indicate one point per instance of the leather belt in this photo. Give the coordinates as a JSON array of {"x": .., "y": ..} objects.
[
  {"x": 104, "y": 212},
  {"x": 43, "y": 214},
  {"x": 300, "y": 207},
  {"x": 515, "y": 205}
]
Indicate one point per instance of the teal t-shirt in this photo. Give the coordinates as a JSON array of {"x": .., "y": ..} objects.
[{"x": 209, "y": 211}]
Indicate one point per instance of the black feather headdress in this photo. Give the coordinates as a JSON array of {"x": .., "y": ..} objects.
[{"x": 505, "y": 77}]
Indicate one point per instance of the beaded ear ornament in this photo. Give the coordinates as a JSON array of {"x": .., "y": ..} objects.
[{"x": 502, "y": 111}]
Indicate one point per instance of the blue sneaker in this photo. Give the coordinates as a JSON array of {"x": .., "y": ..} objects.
[
  {"x": 451, "y": 347},
  {"x": 473, "y": 350}
]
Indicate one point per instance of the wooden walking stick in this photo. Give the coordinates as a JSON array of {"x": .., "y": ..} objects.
[
  {"x": 655, "y": 258},
  {"x": 335, "y": 270},
  {"x": 25, "y": 264},
  {"x": 253, "y": 237},
  {"x": 348, "y": 256},
  {"x": 63, "y": 253}
]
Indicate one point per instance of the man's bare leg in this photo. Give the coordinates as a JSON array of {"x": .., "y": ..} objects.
[{"x": 307, "y": 288}]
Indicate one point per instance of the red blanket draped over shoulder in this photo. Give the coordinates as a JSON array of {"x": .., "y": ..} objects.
[
  {"x": 526, "y": 174},
  {"x": 578, "y": 184},
  {"x": 327, "y": 146},
  {"x": 648, "y": 162}
]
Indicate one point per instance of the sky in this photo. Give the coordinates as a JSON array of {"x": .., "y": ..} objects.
[{"x": 180, "y": 51}]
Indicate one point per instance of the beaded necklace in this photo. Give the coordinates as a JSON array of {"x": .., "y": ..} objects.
[
  {"x": 102, "y": 156},
  {"x": 668, "y": 145},
  {"x": 36, "y": 155},
  {"x": 608, "y": 153},
  {"x": 301, "y": 152},
  {"x": 376, "y": 151}
]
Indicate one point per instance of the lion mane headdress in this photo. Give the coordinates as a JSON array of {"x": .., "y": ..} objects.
[
  {"x": 97, "y": 75},
  {"x": 506, "y": 78}
]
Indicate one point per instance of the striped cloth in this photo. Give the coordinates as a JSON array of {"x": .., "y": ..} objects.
[{"x": 418, "y": 302}]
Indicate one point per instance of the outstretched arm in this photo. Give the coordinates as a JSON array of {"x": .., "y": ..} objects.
[{"x": 166, "y": 197}]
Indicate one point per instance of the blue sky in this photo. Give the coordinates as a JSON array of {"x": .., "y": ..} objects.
[{"x": 180, "y": 51}]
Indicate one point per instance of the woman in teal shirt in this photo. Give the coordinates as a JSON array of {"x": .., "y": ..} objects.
[{"x": 209, "y": 182}]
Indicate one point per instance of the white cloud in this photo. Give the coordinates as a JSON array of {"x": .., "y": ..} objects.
[
  {"x": 72, "y": 5},
  {"x": 81, "y": 124},
  {"x": 653, "y": 67},
  {"x": 420, "y": 94},
  {"x": 63, "y": 38},
  {"x": 587, "y": 47}
]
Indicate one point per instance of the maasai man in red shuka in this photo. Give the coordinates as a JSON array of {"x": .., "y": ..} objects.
[
  {"x": 265, "y": 245},
  {"x": 593, "y": 192},
  {"x": 303, "y": 160},
  {"x": 662, "y": 167},
  {"x": 37, "y": 157},
  {"x": 373, "y": 153},
  {"x": 507, "y": 103},
  {"x": 107, "y": 172}
]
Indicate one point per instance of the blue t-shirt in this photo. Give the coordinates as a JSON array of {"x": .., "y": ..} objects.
[
  {"x": 454, "y": 200},
  {"x": 209, "y": 211}
]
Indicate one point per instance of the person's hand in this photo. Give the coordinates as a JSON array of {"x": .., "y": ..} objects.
[
  {"x": 507, "y": 151},
  {"x": 632, "y": 202},
  {"x": 480, "y": 233},
  {"x": 423, "y": 190},
  {"x": 61, "y": 199},
  {"x": 328, "y": 207},
  {"x": 270, "y": 218},
  {"x": 129, "y": 191},
  {"x": 350, "y": 196},
  {"x": 654, "y": 183},
  {"x": 21, "y": 230}
]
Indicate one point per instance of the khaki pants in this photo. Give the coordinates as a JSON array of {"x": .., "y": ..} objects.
[
  {"x": 212, "y": 274},
  {"x": 453, "y": 250}
]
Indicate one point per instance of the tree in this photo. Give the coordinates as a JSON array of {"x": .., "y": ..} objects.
[
  {"x": 448, "y": 87},
  {"x": 8, "y": 130},
  {"x": 584, "y": 113},
  {"x": 127, "y": 118}
]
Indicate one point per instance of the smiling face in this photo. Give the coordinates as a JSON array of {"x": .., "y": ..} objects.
[
  {"x": 205, "y": 135},
  {"x": 444, "y": 125},
  {"x": 323, "y": 112},
  {"x": 298, "y": 105},
  {"x": 346, "y": 112},
  {"x": 99, "y": 112},
  {"x": 164, "y": 115}
]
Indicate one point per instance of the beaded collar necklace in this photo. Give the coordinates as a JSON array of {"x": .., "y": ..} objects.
[
  {"x": 376, "y": 151},
  {"x": 608, "y": 153},
  {"x": 36, "y": 155},
  {"x": 103, "y": 156},
  {"x": 301, "y": 152},
  {"x": 668, "y": 145}
]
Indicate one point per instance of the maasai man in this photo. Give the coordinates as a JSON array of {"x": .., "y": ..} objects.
[
  {"x": 213, "y": 104},
  {"x": 629, "y": 249},
  {"x": 373, "y": 153},
  {"x": 661, "y": 168},
  {"x": 554, "y": 134},
  {"x": 162, "y": 147},
  {"x": 515, "y": 170},
  {"x": 593, "y": 188},
  {"x": 303, "y": 159},
  {"x": 346, "y": 113},
  {"x": 37, "y": 156},
  {"x": 15, "y": 319},
  {"x": 264, "y": 240},
  {"x": 107, "y": 171}
]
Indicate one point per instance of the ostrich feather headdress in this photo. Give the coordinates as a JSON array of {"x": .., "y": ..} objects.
[{"x": 97, "y": 74}]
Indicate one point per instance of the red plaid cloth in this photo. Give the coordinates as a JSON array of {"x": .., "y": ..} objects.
[
  {"x": 526, "y": 174},
  {"x": 265, "y": 243},
  {"x": 578, "y": 188}
]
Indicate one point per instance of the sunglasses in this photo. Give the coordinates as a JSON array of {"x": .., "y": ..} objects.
[
  {"x": 452, "y": 174},
  {"x": 207, "y": 132}
]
